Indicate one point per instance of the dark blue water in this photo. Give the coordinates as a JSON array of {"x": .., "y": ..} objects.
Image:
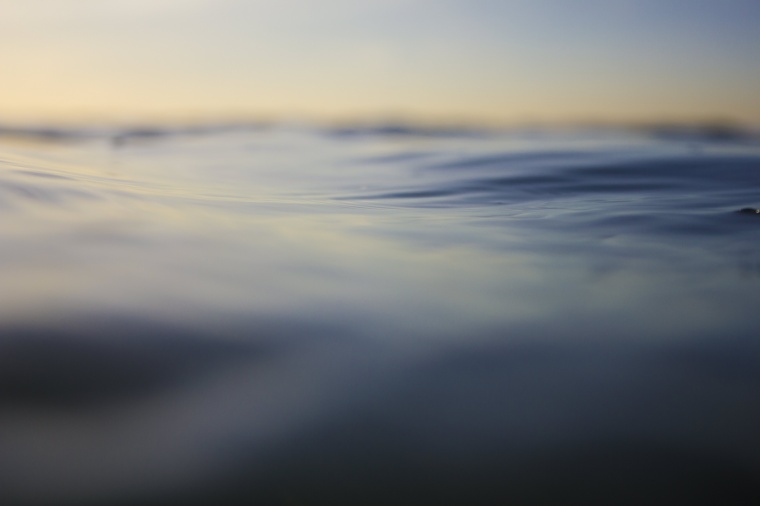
[{"x": 378, "y": 315}]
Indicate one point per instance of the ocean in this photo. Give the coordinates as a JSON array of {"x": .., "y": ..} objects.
[{"x": 378, "y": 314}]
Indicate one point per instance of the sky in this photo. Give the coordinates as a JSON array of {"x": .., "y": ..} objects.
[{"x": 501, "y": 61}]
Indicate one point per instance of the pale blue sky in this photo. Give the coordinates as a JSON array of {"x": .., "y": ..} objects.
[{"x": 504, "y": 60}]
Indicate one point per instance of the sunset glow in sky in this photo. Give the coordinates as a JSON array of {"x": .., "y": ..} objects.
[{"x": 494, "y": 60}]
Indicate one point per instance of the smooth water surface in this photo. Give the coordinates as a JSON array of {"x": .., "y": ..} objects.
[{"x": 301, "y": 315}]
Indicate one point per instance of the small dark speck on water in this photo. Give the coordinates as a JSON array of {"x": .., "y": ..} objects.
[{"x": 749, "y": 210}]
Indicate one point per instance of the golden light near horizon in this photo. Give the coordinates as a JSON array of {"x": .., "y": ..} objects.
[{"x": 488, "y": 60}]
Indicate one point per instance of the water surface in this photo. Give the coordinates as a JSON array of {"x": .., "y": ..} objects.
[{"x": 378, "y": 315}]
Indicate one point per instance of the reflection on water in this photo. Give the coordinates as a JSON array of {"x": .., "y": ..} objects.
[{"x": 378, "y": 316}]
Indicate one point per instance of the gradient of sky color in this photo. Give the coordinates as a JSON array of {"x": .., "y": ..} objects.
[{"x": 500, "y": 60}]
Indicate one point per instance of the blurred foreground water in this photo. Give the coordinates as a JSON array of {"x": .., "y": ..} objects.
[{"x": 378, "y": 315}]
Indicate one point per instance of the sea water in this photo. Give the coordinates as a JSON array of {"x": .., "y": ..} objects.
[{"x": 294, "y": 314}]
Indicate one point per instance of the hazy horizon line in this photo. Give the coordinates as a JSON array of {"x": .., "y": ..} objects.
[{"x": 56, "y": 120}]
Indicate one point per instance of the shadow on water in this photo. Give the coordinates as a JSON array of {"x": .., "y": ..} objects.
[
  {"x": 140, "y": 413},
  {"x": 81, "y": 369}
]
